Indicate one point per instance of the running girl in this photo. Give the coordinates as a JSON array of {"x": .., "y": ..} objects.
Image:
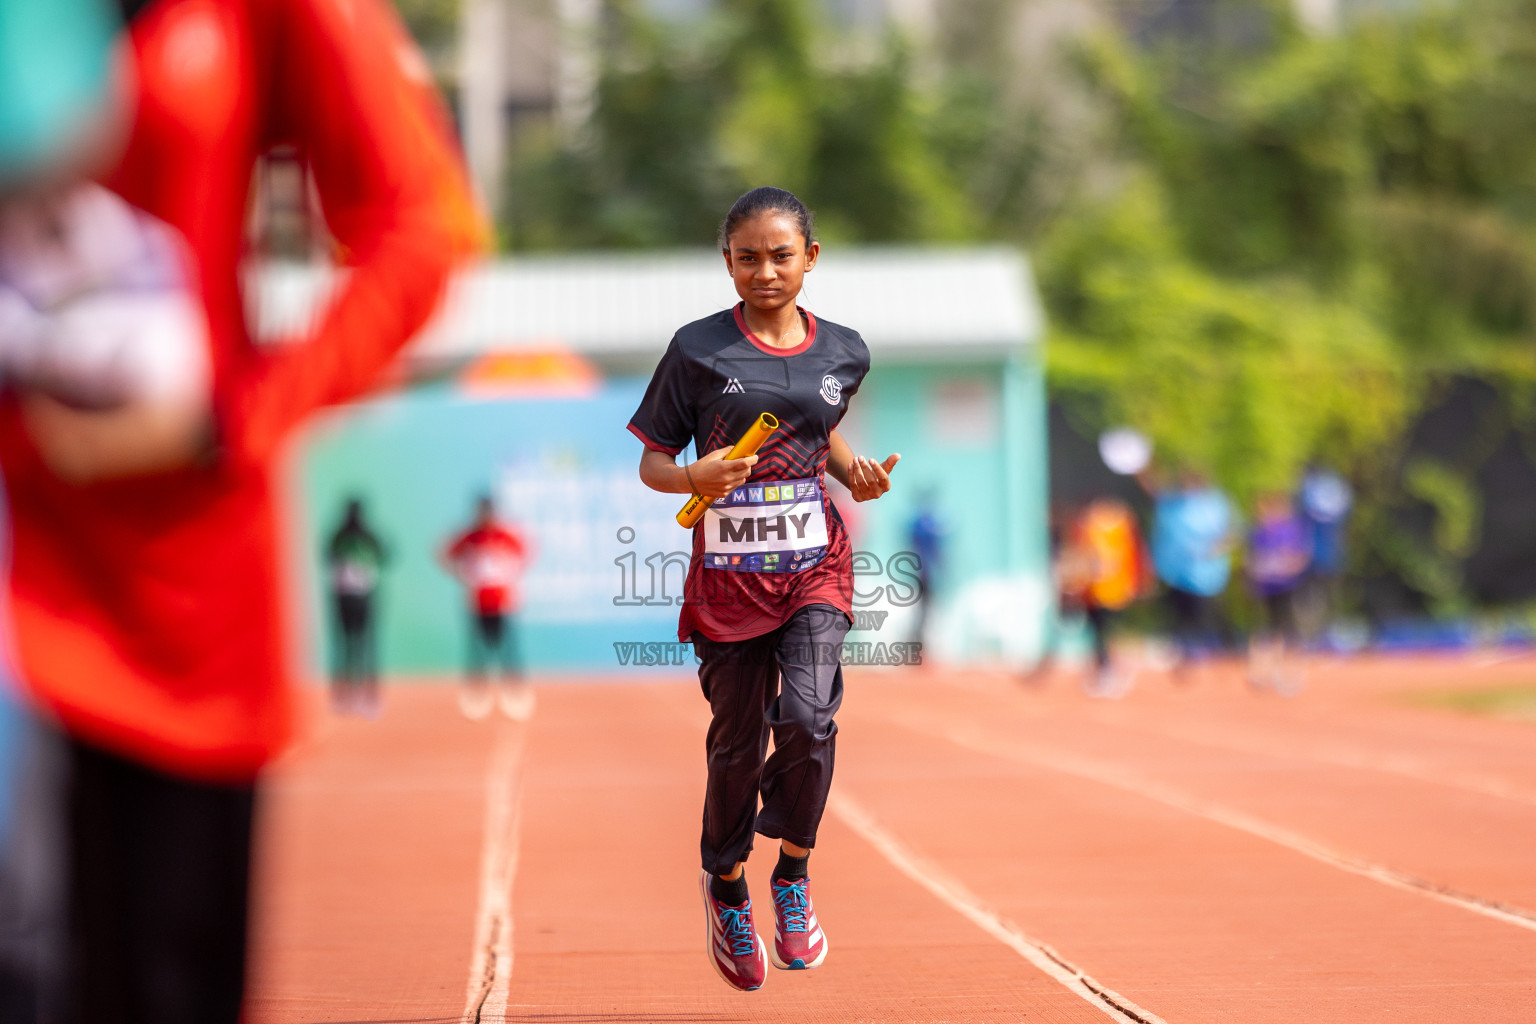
[{"x": 769, "y": 591}]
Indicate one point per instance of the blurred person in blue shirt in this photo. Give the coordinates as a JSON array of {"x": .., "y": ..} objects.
[
  {"x": 1192, "y": 532},
  {"x": 1279, "y": 554},
  {"x": 1325, "y": 501},
  {"x": 925, "y": 537}
]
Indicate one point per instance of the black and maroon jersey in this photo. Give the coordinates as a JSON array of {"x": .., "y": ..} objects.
[{"x": 714, "y": 380}]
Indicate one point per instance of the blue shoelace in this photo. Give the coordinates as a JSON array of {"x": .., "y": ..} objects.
[
  {"x": 792, "y": 903},
  {"x": 737, "y": 923}
]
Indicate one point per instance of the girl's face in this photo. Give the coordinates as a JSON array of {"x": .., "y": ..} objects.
[{"x": 768, "y": 259}]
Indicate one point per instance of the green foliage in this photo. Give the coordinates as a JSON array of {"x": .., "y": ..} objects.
[
  {"x": 1244, "y": 379},
  {"x": 1308, "y": 234},
  {"x": 433, "y": 23},
  {"x": 685, "y": 122},
  {"x": 1261, "y": 246}
]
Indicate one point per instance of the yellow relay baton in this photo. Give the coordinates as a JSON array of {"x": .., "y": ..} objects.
[{"x": 750, "y": 442}]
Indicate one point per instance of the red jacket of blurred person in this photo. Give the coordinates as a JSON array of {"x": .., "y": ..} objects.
[
  {"x": 490, "y": 559},
  {"x": 148, "y": 612}
]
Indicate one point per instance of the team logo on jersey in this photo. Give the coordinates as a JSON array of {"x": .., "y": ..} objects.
[
  {"x": 831, "y": 389},
  {"x": 733, "y": 387}
]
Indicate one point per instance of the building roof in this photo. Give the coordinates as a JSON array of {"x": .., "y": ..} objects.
[{"x": 911, "y": 303}]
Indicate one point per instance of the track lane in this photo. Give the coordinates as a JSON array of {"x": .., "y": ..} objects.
[
  {"x": 1252, "y": 757},
  {"x": 373, "y": 848},
  {"x": 1188, "y": 917},
  {"x": 609, "y": 921},
  {"x": 368, "y": 861}
]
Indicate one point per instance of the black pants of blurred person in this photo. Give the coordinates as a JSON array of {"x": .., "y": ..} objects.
[
  {"x": 493, "y": 641},
  {"x": 159, "y": 883},
  {"x": 1100, "y": 621},
  {"x": 924, "y": 606},
  {"x": 788, "y": 682},
  {"x": 1280, "y": 619},
  {"x": 1193, "y": 622},
  {"x": 34, "y": 887},
  {"x": 356, "y": 653}
]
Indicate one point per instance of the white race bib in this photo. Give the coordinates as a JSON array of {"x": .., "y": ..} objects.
[{"x": 777, "y": 526}]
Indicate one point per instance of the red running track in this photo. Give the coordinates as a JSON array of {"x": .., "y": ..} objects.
[{"x": 1198, "y": 855}]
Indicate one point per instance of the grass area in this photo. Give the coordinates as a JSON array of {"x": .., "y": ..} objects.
[{"x": 1517, "y": 703}]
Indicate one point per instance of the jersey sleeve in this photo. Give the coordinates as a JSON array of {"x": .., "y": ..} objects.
[
  {"x": 859, "y": 352},
  {"x": 667, "y": 416},
  {"x": 352, "y": 94}
]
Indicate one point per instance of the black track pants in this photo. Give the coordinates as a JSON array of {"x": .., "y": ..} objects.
[
  {"x": 789, "y": 681},
  {"x": 159, "y": 878}
]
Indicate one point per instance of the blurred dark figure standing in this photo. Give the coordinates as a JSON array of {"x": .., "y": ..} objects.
[
  {"x": 489, "y": 559},
  {"x": 355, "y": 559},
  {"x": 1326, "y": 501},
  {"x": 925, "y": 538},
  {"x": 1279, "y": 552},
  {"x": 1192, "y": 539},
  {"x": 145, "y": 588}
]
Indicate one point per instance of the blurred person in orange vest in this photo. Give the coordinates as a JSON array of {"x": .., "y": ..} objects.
[
  {"x": 1113, "y": 572},
  {"x": 146, "y": 586},
  {"x": 1101, "y": 568},
  {"x": 489, "y": 559}
]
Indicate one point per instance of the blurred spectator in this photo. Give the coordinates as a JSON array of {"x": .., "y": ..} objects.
[
  {"x": 96, "y": 313},
  {"x": 489, "y": 559},
  {"x": 1326, "y": 501},
  {"x": 355, "y": 559},
  {"x": 1101, "y": 567},
  {"x": 1071, "y": 570},
  {"x": 1279, "y": 551},
  {"x": 57, "y": 107},
  {"x": 1192, "y": 533},
  {"x": 145, "y": 585},
  {"x": 1117, "y": 572},
  {"x": 925, "y": 537}
]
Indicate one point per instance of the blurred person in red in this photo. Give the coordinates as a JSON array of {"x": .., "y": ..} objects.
[
  {"x": 145, "y": 589},
  {"x": 489, "y": 559}
]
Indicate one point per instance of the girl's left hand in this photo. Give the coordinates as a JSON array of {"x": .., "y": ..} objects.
[{"x": 869, "y": 479}]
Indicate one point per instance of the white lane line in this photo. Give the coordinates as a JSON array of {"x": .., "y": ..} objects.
[
  {"x": 490, "y": 970},
  {"x": 1396, "y": 763},
  {"x": 1109, "y": 775},
  {"x": 950, "y": 892}
]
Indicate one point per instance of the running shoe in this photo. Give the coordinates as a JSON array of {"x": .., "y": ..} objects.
[
  {"x": 734, "y": 947},
  {"x": 1108, "y": 684},
  {"x": 476, "y": 700},
  {"x": 798, "y": 942},
  {"x": 517, "y": 701}
]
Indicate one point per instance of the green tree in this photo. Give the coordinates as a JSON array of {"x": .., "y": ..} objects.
[{"x": 686, "y": 121}]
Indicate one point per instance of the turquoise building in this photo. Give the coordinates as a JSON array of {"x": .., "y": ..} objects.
[{"x": 524, "y": 384}]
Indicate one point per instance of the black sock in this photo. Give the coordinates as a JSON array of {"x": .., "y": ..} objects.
[
  {"x": 732, "y": 893},
  {"x": 790, "y": 868}
]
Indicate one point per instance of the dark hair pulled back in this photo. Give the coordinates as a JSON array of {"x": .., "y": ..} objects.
[{"x": 768, "y": 199}]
